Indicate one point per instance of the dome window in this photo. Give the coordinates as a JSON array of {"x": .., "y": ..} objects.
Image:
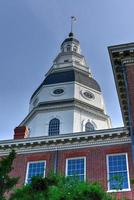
[
  {"x": 54, "y": 127},
  {"x": 75, "y": 48},
  {"x": 68, "y": 48},
  {"x": 89, "y": 126},
  {"x": 87, "y": 95},
  {"x": 66, "y": 60},
  {"x": 58, "y": 91}
]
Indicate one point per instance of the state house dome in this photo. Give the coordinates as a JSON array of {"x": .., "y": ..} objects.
[{"x": 69, "y": 76}]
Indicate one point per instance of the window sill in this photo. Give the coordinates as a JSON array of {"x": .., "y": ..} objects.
[{"x": 124, "y": 190}]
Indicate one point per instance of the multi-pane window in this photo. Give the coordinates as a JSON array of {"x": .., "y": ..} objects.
[
  {"x": 89, "y": 127},
  {"x": 54, "y": 127},
  {"x": 35, "y": 169},
  {"x": 118, "y": 178},
  {"x": 76, "y": 167}
]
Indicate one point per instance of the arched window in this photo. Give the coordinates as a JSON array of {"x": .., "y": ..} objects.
[
  {"x": 68, "y": 48},
  {"x": 75, "y": 48},
  {"x": 54, "y": 127},
  {"x": 89, "y": 127}
]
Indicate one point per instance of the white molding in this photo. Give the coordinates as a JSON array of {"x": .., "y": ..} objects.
[
  {"x": 27, "y": 170},
  {"x": 67, "y": 104},
  {"x": 88, "y": 88},
  {"x": 67, "y": 146},
  {"x": 67, "y": 141},
  {"x": 128, "y": 61},
  {"x": 107, "y": 164},
  {"x": 104, "y": 132},
  {"x": 75, "y": 158}
]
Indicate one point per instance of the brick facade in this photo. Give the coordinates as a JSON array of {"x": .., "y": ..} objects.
[
  {"x": 96, "y": 167},
  {"x": 99, "y": 143}
]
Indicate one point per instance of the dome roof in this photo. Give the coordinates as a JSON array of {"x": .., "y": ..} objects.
[
  {"x": 69, "y": 76},
  {"x": 70, "y": 39}
]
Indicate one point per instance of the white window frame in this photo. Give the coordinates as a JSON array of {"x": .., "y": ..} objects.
[
  {"x": 75, "y": 158},
  {"x": 108, "y": 183},
  {"x": 27, "y": 170}
]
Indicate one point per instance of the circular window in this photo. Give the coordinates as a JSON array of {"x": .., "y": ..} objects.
[
  {"x": 58, "y": 91},
  {"x": 88, "y": 95}
]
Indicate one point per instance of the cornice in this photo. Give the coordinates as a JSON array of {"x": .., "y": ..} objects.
[
  {"x": 122, "y": 56},
  {"x": 67, "y": 141},
  {"x": 64, "y": 104}
]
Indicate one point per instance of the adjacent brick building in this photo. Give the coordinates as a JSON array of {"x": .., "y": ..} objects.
[{"x": 67, "y": 129}]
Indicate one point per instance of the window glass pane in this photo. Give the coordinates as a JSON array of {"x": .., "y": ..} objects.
[
  {"x": 76, "y": 168},
  {"x": 54, "y": 127},
  {"x": 35, "y": 169},
  {"x": 118, "y": 175},
  {"x": 89, "y": 127},
  {"x": 68, "y": 48},
  {"x": 118, "y": 180}
]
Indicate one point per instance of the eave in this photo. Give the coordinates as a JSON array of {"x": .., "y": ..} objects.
[
  {"x": 67, "y": 141},
  {"x": 119, "y": 56}
]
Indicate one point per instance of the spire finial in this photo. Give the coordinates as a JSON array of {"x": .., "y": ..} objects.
[{"x": 73, "y": 19}]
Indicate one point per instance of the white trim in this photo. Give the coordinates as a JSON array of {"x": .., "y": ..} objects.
[
  {"x": 68, "y": 146},
  {"x": 62, "y": 147},
  {"x": 63, "y": 141},
  {"x": 107, "y": 164},
  {"x": 50, "y": 86},
  {"x": 88, "y": 88},
  {"x": 75, "y": 158},
  {"x": 54, "y": 116},
  {"x": 27, "y": 170}
]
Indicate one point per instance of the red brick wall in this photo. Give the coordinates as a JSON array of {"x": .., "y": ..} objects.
[
  {"x": 20, "y": 164},
  {"x": 130, "y": 80},
  {"x": 95, "y": 163}
]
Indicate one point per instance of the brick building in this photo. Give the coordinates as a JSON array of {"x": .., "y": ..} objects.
[{"x": 67, "y": 129}]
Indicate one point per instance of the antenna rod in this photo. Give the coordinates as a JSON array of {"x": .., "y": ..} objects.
[{"x": 73, "y": 19}]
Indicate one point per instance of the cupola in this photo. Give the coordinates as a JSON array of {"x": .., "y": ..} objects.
[
  {"x": 71, "y": 44},
  {"x": 69, "y": 99}
]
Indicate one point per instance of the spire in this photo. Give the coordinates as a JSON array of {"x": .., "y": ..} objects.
[
  {"x": 70, "y": 56},
  {"x": 73, "y": 20}
]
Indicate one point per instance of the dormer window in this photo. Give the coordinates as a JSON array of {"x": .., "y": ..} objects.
[
  {"x": 75, "y": 48},
  {"x": 68, "y": 48}
]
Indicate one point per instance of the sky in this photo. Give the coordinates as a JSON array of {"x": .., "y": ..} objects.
[{"x": 31, "y": 32}]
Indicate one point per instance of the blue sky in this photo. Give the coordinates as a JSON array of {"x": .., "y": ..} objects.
[{"x": 31, "y": 32}]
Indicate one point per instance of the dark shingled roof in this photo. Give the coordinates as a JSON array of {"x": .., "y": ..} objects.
[
  {"x": 70, "y": 39},
  {"x": 69, "y": 76}
]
